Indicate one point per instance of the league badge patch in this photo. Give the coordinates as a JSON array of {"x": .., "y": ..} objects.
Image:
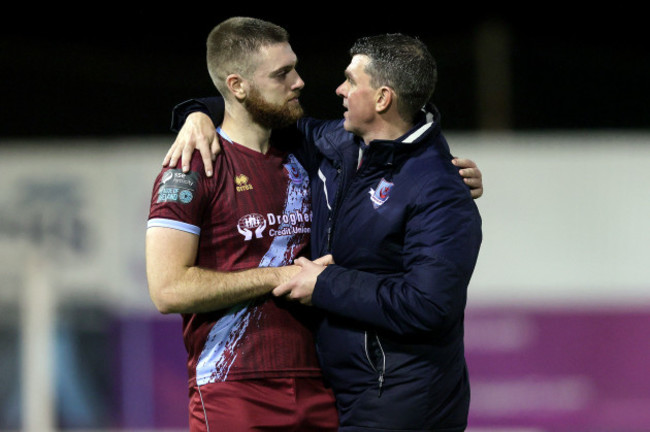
[
  {"x": 177, "y": 187},
  {"x": 380, "y": 194}
]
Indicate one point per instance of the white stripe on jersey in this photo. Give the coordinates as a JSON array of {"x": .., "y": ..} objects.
[
  {"x": 170, "y": 223},
  {"x": 277, "y": 255},
  {"x": 224, "y": 335}
]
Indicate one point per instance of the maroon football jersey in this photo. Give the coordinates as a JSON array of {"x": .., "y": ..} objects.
[{"x": 254, "y": 212}]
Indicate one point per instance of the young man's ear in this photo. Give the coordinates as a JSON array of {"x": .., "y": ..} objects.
[{"x": 237, "y": 86}]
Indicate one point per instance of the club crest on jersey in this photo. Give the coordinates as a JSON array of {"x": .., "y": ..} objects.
[
  {"x": 380, "y": 194},
  {"x": 242, "y": 184}
]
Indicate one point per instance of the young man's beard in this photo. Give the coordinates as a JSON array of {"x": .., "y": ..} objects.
[{"x": 270, "y": 115}]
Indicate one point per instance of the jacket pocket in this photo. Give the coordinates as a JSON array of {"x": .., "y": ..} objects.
[{"x": 376, "y": 357}]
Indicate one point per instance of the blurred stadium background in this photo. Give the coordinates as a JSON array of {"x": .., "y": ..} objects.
[{"x": 553, "y": 107}]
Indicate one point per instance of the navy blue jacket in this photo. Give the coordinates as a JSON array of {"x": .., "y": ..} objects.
[{"x": 405, "y": 235}]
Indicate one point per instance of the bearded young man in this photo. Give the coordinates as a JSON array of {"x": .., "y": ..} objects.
[{"x": 216, "y": 246}]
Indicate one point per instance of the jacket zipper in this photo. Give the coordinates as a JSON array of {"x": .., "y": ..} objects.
[
  {"x": 338, "y": 200},
  {"x": 335, "y": 206},
  {"x": 381, "y": 372},
  {"x": 340, "y": 197}
]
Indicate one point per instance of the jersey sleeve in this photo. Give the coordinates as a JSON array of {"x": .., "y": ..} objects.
[{"x": 178, "y": 199}]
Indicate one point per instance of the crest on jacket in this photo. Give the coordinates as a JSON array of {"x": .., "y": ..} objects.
[{"x": 380, "y": 194}]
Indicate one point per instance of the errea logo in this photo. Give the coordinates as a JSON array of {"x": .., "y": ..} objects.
[{"x": 241, "y": 183}]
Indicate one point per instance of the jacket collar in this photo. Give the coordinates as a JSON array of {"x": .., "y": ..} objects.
[{"x": 427, "y": 121}]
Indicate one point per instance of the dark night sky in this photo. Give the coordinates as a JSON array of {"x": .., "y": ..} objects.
[{"x": 120, "y": 72}]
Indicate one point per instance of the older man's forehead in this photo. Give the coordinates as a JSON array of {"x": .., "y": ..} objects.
[{"x": 357, "y": 65}]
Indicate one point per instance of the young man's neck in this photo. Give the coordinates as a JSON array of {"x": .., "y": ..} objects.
[{"x": 239, "y": 128}]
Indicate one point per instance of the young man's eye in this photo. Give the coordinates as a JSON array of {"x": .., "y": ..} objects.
[{"x": 282, "y": 73}]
